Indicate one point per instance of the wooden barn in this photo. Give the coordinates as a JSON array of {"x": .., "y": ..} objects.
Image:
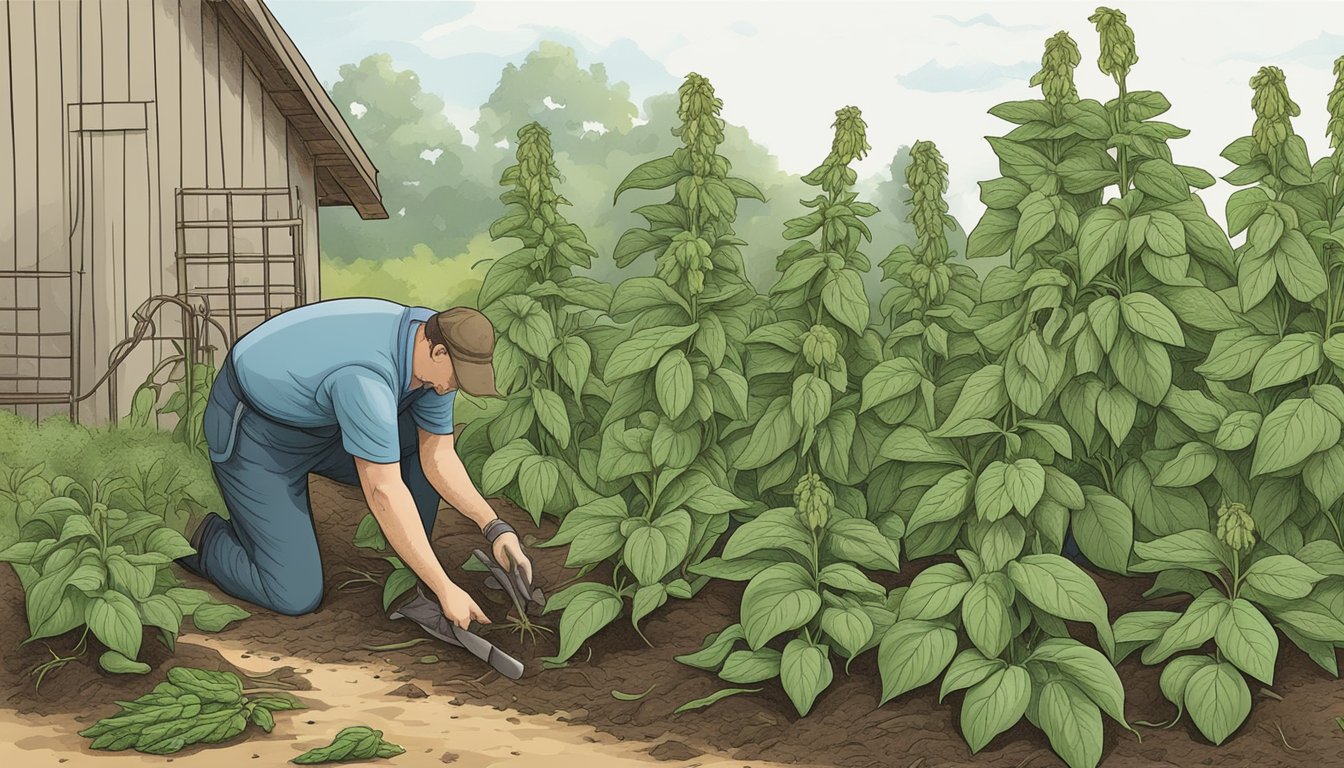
[{"x": 161, "y": 167}]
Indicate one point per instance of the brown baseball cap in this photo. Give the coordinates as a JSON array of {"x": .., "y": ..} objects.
[{"x": 470, "y": 339}]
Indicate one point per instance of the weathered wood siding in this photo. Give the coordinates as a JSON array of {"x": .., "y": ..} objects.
[{"x": 117, "y": 104}]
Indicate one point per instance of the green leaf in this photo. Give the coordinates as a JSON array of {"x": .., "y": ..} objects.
[
  {"x": 889, "y": 380},
  {"x": 1299, "y": 268},
  {"x": 1298, "y": 355},
  {"x": 1246, "y": 639},
  {"x": 1234, "y": 354},
  {"x": 776, "y": 432},
  {"x": 1195, "y": 627},
  {"x": 655, "y": 174},
  {"x": 777, "y": 528},
  {"x": 1100, "y": 238},
  {"x": 1162, "y": 180},
  {"x": 1237, "y": 431},
  {"x": 944, "y": 501},
  {"x": 981, "y": 397},
  {"x": 1218, "y": 700},
  {"x": 984, "y": 613},
  {"x": 1193, "y": 463},
  {"x": 967, "y": 669},
  {"x": 673, "y": 383},
  {"x": 112, "y": 618},
  {"x": 1143, "y": 366},
  {"x": 587, "y": 613},
  {"x": 1072, "y": 723},
  {"x": 1104, "y": 530},
  {"x": 1024, "y": 484},
  {"x": 751, "y": 666},
  {"x": 991, "y": 492},
  {"x": 994, "y": 705},
  {"x": 1292, "y": 432},
  {"x": 911, "y": 445},
  {"x": 355, "y": 743},
  {"x": 850, "y": 628},
  {"x": 713, "y": 698},
  {"x": 118, "y": 664},
  {"x": 860, "y": 542},
  {"x": 1116, "y": 409},
  {"x": 850, "y": 579},
  {"x": 1282, "y": 576},
  {"x": 844, "y": 298},
  {"x": 644, "y": 349},
  {"x": 811, "y": 401},
  {"x": 805, "y": 670},
  {"x": 1088, "y": 669},
  {"x": 911, "y": 654},
  {"x": 935, "y": 592},
  {"x": 212, "y": 617},
  {"x": 1198, "y": 549},
  {"x": 780, "y": 598},
  {"x": 647, "y": 599},
  {"x": 1062, "y": 589},
  {"x": 1165, "y": 234},
  {"x": 714, "y": 650},
  {"x": 502, "y": 466},
  {"x": 551, "y": 413},
  {"x": 1148, "y": 316}
]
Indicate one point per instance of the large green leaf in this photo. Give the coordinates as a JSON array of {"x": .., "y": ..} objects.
[
  {"x": 1062, "y": 589},
  {"x": 944, "y": 501},
  {"x": 673, "y": 383},
  {"x": 1104, "y": 530},
  {"x": 112, "y": 618},
  {"x": 780, "y": 598},
  {"x": 935, "y": 592},
  {"x": 1246, "y": 639},
  {"x": 1195, "y": 627},
  {"x": 1292, "y": 432},
  {"x": 911, "y": 654},
  {"x": 984, "y": 613},
  {"x": 1298, "y": 355},
  {"x": 1150, "y": 317},
  {"x": 994, "y": 705},
  {"x": 587, "y": 613},
  {"x": 1282, "y": 576},
  {"x": 805, "y": 670},
  {"x": 1218, "y": 700},
  {"x": 1072, "y": 723},
  {"x": 644, "y": 349}
]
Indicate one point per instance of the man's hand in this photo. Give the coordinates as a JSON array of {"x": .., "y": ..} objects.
[
  {"x": 508, "y": 552},
  {"x": 459, "y": 608}
]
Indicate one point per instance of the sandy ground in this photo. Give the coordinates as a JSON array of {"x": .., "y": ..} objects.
[{"x": 435, "y": 730}]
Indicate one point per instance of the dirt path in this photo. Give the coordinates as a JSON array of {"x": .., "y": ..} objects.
[{"x": 431, "y": 723}]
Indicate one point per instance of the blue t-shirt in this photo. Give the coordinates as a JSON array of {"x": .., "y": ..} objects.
[{"x": 345, "y": 363}]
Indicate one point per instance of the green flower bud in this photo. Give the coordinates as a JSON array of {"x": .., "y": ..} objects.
[
  {"x": 1236, "y": 527},
  {"x": 851, "y": 136},
  {"x": 1274, "y": 109},
  {"x": 1061, "y": 57},
  {"x": 1117, "y": 43},
  {"x": 701, "y": 128},
  {"x": 820, "y": 346},
  {"x": 814, "y": 501},
  {"x": 1335, "y": 104},
  {"x": 926, "y": 176}
]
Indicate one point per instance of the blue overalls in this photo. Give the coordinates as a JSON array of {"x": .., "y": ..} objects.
[{"x": 266, "y": 552}]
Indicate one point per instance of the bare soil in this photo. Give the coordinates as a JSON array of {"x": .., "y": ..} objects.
[{"x": 571, "y": 711}]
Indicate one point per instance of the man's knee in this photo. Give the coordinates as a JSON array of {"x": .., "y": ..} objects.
[{"x": 295, "y": 597}]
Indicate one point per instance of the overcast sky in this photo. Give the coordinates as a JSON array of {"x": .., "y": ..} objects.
[{"x": 917, "y": 70}]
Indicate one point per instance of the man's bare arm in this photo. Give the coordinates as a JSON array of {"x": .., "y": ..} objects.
[
  {"x": 394, "y": 508},
  {"x": 445, "y": 471}
]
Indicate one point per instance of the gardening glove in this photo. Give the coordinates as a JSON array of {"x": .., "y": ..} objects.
[
  {"x": 459, "y": 608},
  {"x": 508, "y": 552}
]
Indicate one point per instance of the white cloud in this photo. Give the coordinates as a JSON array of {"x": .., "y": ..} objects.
[
  {"x": 432, "y": 155},
  {"x": 784, "y": 82},
  {"x": 402, "y": 212},
  {"x": 595, "y": 126},
  {"x": 550, "y": 103},
  {"x": 358, "y": 110},
  {"x": 502, "y": 143}
]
